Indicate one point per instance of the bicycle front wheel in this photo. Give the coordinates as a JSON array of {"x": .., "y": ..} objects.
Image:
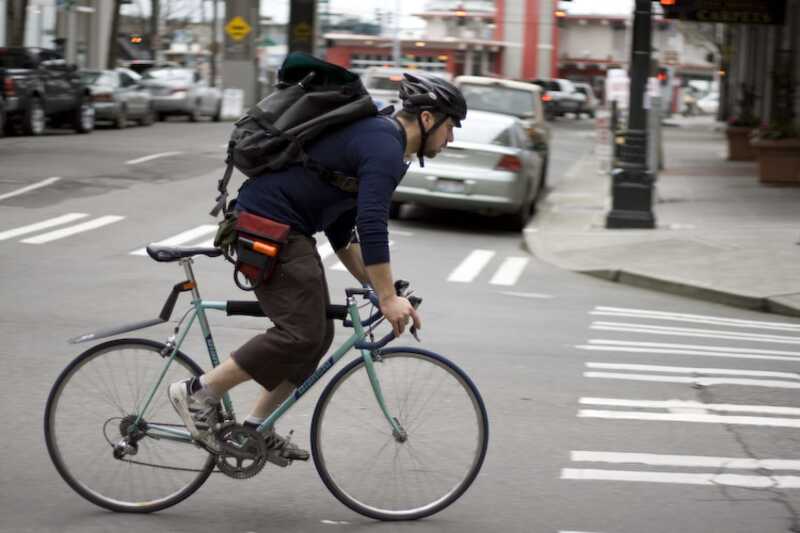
[
  {"x": 374, "y": 473},
  {"x": 91, "y": 408}
]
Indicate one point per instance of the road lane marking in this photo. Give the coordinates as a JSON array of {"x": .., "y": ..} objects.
[
  {"x": 699, "y": 319},
  {"x": 693, "y": 332},
  {"x": 38, "y": 185},
  {"x": 32, "y": 228},
  {"x": 324, "y": 250},
  {"x": 72, "y": 230},
  {"x": 691, "y": 405},
  {"x": 510, "y": 271},
  {"x": 151, "y": 157},
  {"x": 181, "y": 238},
  {"x": 703, "y": 353},
  {"x": 470, "y": 267},
  {"x": 526, "y": 294},
  {"x": 733, "y": 480},
  {"x": 655, "y": 459},
  {"x": 703, "y": 382},
  {"x": 401, "y": 233},
  {"x": 703, "y": 347},
  {"x": 694, "y": 418},
  {"x": 695, "y": 370}
]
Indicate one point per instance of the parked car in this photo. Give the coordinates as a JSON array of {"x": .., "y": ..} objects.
[
  {"x": 491, "y": 168},
  {"x": 40, "y": 87},
  {"x": 589, "y": 105},
  {"x": 181, "y": 91},
  {"x": 708, "y": 104},
  {"x": 383, "y": 84},
  {"x": 560, "y": 96},
  {"x": 119, "y": 96},
  {"x": 519, "y": 99},
  {"x": 140, "y": 66}
]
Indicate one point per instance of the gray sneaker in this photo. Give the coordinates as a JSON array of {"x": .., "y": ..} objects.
[
  {"x": 281, "y": 450},
  {"x": 198, "y": 415}
]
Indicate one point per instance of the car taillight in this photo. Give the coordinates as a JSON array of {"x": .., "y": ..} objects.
[
  {"x": 8, "y": 87},
  {"x": 178, "y": 90},
  {"x": 103, "y": 97},
  {"x": 510, "y": 163},
  {"x": 546, "y": 98}
]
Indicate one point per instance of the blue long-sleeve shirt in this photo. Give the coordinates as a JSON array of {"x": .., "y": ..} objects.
[{"x": 371, "y": 149}]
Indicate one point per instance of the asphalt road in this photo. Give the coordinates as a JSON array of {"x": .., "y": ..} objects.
[{"x": 612, "y": 409}]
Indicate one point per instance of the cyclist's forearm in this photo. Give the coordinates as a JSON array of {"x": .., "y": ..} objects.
[
  {"x": 352, "y": 260},
  {"x": 380, "y": 275}
]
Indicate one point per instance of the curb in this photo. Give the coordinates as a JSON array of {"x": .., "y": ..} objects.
[{"x": 772, "y": 305}]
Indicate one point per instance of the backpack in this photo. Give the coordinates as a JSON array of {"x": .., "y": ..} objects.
[{"x": 311, "y": 97}]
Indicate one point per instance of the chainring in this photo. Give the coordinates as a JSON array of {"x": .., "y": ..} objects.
[{"x": 244, "y": 452}]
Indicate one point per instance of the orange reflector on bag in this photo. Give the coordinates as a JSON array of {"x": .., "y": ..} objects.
[
  {"x": 266, "y": 249},
  {"x": 189, "y": 285}
]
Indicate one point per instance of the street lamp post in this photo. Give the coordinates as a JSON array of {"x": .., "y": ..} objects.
[{"x": 632, "y": 180}]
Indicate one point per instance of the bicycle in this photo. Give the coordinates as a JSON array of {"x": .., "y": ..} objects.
[{"x": 397, "y": 434}]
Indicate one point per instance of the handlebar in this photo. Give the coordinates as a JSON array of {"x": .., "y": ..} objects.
[{"x": 401, "y": 288}]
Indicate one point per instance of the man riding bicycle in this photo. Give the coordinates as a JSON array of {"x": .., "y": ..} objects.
[{"x": 376, "y": 151}]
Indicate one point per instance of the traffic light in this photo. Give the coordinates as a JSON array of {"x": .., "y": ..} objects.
[
  {"x": 136, "y": 39},
  {"x": 663, "y": 76}
]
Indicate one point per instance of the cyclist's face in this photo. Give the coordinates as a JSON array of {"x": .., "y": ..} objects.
[{"x": 438, "y": 139}]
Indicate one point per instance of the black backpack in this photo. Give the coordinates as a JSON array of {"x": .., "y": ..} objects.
[{"x": 311, "y": 97}]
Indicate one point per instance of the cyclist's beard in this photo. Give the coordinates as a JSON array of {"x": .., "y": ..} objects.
[{"x": 431, "y": 149}]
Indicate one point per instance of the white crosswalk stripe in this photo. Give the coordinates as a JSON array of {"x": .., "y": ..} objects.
[
  {"x": 764, "y": 479},
  {"x": 72, "y": 230},
  {"x": 704, "y": 377},
  {"x": 693, "y": 332},
  {"x": 652, "y": 348},
  {"x": 510, "y": 271},
  {"x": 698, "y": 319},
  {"x": 696, "y": 412},
  {"x": 39, "y": 226},
  {"x": 182, "y": 238},
  {"x": 471, "y": 267}
]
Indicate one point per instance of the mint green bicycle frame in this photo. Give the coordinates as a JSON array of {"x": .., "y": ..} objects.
[{"x": 199, "y": 312}]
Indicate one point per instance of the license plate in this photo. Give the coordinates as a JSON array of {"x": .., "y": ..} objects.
[{"x": 450, "y": 186}]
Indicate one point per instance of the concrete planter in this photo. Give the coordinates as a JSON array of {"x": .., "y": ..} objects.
[
  {"x": 778, "y": 161},
  {"x": 739, "y": 148}
]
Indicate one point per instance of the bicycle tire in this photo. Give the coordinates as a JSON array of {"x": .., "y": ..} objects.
[
  {"x": 338, "y": 439},
  {"x": 72, "y": 449}
]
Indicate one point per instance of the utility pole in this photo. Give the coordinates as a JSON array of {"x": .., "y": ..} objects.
[
  {"x": 214, "y": 42},
  {"x": 632, "y": 181}
]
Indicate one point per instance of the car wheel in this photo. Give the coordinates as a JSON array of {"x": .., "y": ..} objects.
[
  {"x": 83, "y": 119},
  {"x": 148, "y": 118},
  {"x": 520, "y": 219},
  {"x": 218, "y": 113},
  {"x": 121, "y": 119},
  {"x": 162, "y": 117},
  {"x": 195, "y": 115},
  {"x": 543, "y": 176},
  {"x": 33, "y": 120}
]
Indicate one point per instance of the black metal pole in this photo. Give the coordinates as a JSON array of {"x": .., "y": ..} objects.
[{"x": 632, "y": 181}]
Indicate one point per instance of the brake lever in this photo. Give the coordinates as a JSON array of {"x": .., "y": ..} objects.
[{"x": 414, "y": 333}]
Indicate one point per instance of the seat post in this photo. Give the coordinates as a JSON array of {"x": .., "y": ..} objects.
[{"x": 186, "y": 263}]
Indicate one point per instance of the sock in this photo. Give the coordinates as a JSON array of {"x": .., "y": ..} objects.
[
  {"x": 199, "y": 387},
  {"x": 253, "y": 422}
]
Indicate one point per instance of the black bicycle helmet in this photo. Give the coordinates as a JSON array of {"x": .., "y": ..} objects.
[{"x": 423, "y": 92}]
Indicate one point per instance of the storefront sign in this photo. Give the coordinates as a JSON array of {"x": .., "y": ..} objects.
[{"x": 728, "y": 11}]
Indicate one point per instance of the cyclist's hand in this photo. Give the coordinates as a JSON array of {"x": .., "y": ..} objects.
[{"x": 399, "y": 312}]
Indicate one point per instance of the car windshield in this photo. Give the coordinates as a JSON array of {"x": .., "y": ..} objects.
[
  {"x": 169, "y": 74},
  {"x": 97, "y": 78},
  {"x": 499, "y": 99}
]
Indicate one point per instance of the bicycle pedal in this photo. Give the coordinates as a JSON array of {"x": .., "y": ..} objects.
[{"x": 277, "y": 459}]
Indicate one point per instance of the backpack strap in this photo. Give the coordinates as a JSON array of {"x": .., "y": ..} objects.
[
  {"x": 222, "y": 185},
  {"x": 338, "y": 179}
]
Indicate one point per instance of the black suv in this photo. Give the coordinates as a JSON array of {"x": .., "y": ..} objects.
[{"x": 37, "y": 86}]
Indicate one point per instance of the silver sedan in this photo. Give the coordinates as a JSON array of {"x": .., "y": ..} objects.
[
  {"x": 119, "y": 97},
  {"x": 491, "y": 168},
  {"x": 181, "y": 91}
]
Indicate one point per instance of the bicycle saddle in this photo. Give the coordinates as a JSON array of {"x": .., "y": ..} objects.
[{"x": 166, "y": 254}]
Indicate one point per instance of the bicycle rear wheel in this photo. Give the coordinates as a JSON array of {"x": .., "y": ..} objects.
[
  {"x": 94, "y": 401},
  {"x": 377, "y": 475}
]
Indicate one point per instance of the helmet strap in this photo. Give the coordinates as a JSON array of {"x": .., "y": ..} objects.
[{"x": 424, "y": 136}]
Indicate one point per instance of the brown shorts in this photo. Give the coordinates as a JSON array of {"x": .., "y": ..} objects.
[{"x": 295, "y": 300}]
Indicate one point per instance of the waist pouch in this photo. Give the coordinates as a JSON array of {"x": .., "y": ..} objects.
[{"x": 258, "y": 244}]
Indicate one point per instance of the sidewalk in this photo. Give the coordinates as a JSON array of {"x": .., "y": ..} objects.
[{"x": 721, "y": 235}]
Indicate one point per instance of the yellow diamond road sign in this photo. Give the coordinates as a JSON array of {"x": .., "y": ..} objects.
[{"x": 237, "y": 28}]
